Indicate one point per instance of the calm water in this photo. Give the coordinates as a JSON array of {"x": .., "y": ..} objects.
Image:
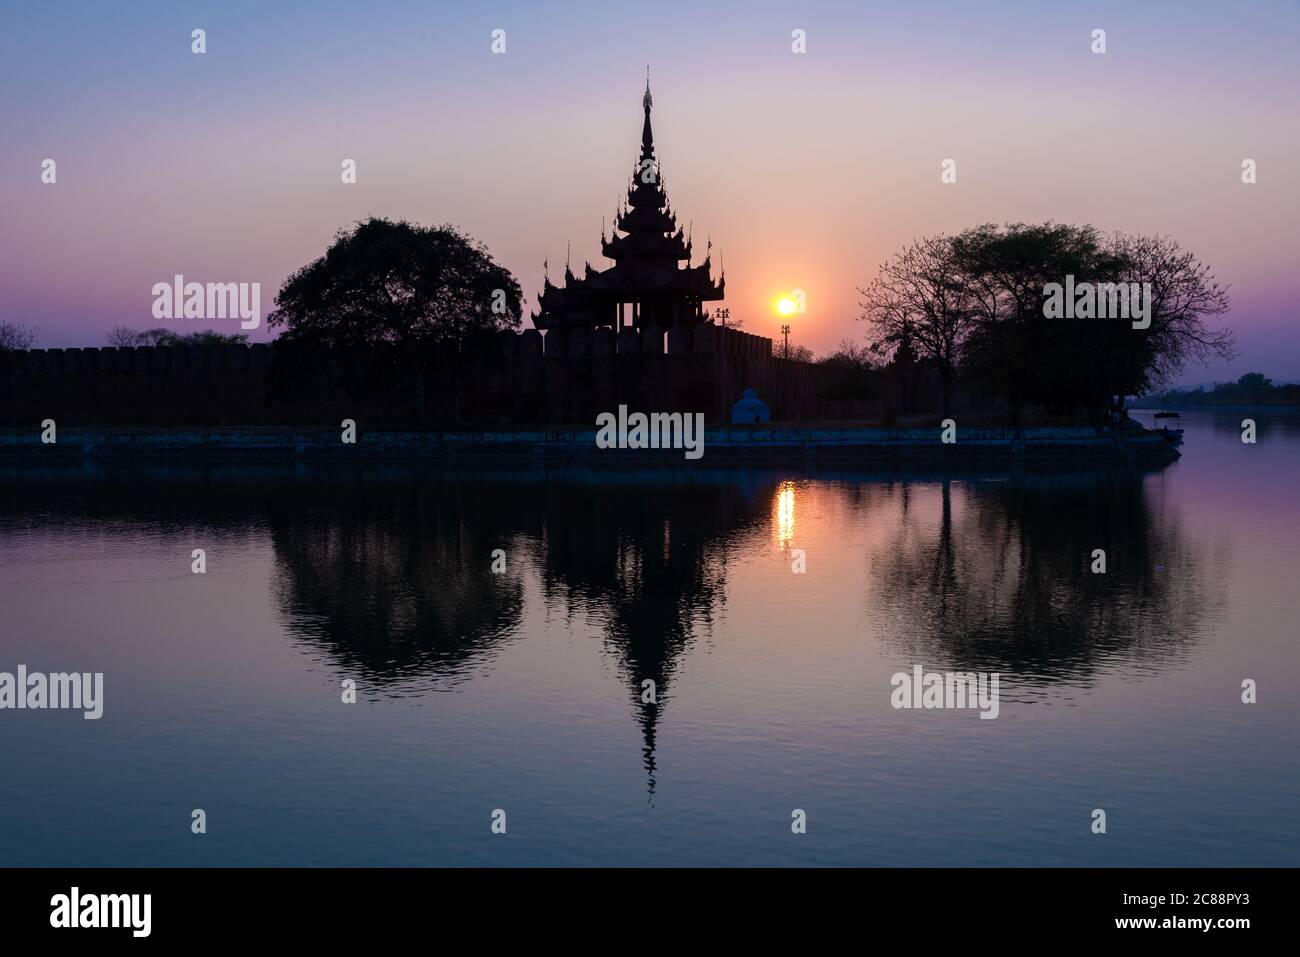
[{"x": 522, "y": 690}]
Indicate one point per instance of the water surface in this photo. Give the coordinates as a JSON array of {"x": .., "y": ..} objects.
[{"x": 523, "y": 690}]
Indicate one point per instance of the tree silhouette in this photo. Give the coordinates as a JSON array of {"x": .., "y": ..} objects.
[
  {"x": 922, "y": 298},
  {"x": 123, "y": 337},
  {"x": 972, "y": 305},
  {"x": 393, "y": 294},
  {"x": 16, "y": 338},
  {"x": 997, "y": 576}
]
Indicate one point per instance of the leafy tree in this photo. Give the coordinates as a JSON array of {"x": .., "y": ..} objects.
[
  {"x": 123, "y": 337},
  {"x": 399, "y": 289},
  {"x": 158, "y": 336},
  {"x": 1012, "y": 347},
  {"x": 397, "y": 283},
  {"x": 848, "y": 373},
  {"x": 1251, "y": 388},
  {"x": 206, "y": 337}
]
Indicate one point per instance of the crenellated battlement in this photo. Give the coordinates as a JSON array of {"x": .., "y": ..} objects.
[{"x": 136, "y": 359}]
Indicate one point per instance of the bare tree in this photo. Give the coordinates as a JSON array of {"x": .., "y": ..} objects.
[
  {"x": 1183, "y": 292},
  {"x": 121, "y": 337},
  {"x": 921, "y": 297},
  {"x": 850, "y": 353},
  {"x": 16, "y": 338}
]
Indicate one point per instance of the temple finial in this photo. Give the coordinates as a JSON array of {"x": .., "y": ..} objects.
[{"x": 647, "y": 138}]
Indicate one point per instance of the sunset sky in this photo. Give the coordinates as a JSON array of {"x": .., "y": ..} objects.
[{"x": 806, "y": 170}]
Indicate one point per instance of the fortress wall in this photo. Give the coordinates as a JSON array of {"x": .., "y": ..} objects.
[{"x": 510, "y": 378}]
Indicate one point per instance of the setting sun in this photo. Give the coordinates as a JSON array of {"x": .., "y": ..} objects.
[{"x": 786, "y": 307}]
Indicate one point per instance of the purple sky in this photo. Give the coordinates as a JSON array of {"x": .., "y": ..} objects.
[{"x": 806, "y": 170}]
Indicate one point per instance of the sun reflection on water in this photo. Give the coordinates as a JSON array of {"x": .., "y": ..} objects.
[{"x": 784, "y": 522}]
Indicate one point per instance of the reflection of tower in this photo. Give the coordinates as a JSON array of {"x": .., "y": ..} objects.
[
  {"x": 653, "y": 571},
  {"x": 375, "y": 575}
]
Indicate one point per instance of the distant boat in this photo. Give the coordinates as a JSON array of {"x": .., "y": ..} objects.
[{"x": 1173, "y": 435}]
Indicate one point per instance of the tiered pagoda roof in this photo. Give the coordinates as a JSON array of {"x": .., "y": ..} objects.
[{"x": 647, "y": 247}]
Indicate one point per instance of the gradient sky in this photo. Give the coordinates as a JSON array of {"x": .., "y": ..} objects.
[{"x": 806, "y": 170}]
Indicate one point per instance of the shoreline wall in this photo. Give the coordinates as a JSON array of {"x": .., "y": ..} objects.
[
  {"x": 505, "y": 379},
  {"x": 722, "y": 444}
]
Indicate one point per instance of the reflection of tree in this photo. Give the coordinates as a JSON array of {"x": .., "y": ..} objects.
[
  {"x": 996, "y": 576},
  {"x": 394, "y": 579},
  {"x": 386, "y": 570}
]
